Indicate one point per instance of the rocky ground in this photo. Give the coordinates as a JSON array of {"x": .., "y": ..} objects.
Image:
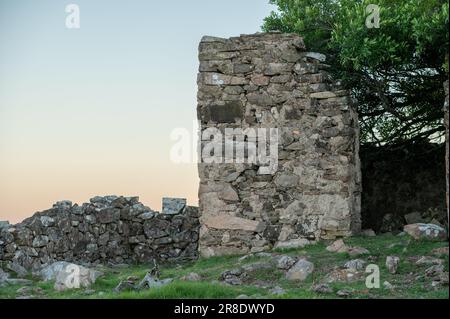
[{"x": 409, "y": 268}]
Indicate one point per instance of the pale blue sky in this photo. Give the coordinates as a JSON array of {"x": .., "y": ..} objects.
[{"x": 89, "y": 111}]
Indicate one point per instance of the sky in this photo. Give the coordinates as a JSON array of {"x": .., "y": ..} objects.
[{"x": 90, "y": 111}]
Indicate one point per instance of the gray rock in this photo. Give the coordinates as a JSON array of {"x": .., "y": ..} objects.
[
  {"x": 392, "y": 263},
  {"x": 18, "y": 269},
  {"x": 47, "y": 221},
  {"x": 338, "y": 246},
  {"x": 150, "y": 282},
  {"x": 40, "y": 241},
  {"x": 322, "y": 289},
  {"x": 125, "y": 285},
  {"x": 4, "y": 224},
  {"x": 300, "y": 270},
  {"x": 355, "y": 264},
  {"x": 426, "y": 231},
  {"x": 427, "y": 260},
  {"x": 284, "y": 262},
  {"x": 316, "y": 56},
  {"x": 173, "y": 206},
  {"x": 74, "y": 277},
  {"x": 49, "y": 272}
]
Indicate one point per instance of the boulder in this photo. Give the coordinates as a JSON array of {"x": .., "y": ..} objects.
[
  {"x": 392, "y": 263},
  {"x": 355, "y": 264},
  {"x": 74, "y": 277},
  {"x": 338, "y": 246},
  {"x": 426, "y": 231},
  {"x": 18, "y": 269},
  {"x": 284, "y": 262},
  {"x": 151, "y": 281},
  {"x": 300, "y": 270},
  {"x": 69, "y": 276}
]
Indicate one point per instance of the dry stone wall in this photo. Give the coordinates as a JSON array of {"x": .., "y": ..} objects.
[
  {"x": 270, "y": 80},
  {"x": 107, "y": 230}
]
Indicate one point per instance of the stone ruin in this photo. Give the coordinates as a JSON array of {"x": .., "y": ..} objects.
[
  {"x": 307, "y": 188},
  {"x": 270, "y": 80},
  {"x": 107, "y": 230}
]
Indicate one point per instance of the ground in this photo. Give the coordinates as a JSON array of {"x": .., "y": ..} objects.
[{"x": 409, "y": 282}]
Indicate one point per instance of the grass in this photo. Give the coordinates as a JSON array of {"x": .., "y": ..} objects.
[{"x": 261, "y": 281}]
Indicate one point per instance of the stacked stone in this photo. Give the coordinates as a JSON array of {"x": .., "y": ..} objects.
[
  {"x": 446, "y": 123},
  {"x": 269, "y": 80},
  {"x": 106, "y": 230}
]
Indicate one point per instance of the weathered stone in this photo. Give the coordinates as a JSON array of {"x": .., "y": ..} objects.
[
  {"x": 40, "y": 241},
  {"x": 4, "y": 224},
  {"x": 226, "y": 113},
  {"x": 173, "y": 206},
  {"x": 292, "y": 243},
  {"x": 284, "y": 262},
  {"x": 234, "y": 223},
  {"x": 392, "y": 263},
  {"x": 72, "y": 276},
  {"x": 108, "y": 215},
  {"x": 151, "y": 281},
  {"x": 322, "y": 95},
  {"x": 426, "y": 231},
  {"x": 427, "y": 260},
  {"x": 18, "y": 269},
  {"x": 99, "y": 232},
  {"x": 300, "y": 270},
  {"x": 338, "y": 246},
  {"x": 355, "y": 264}
]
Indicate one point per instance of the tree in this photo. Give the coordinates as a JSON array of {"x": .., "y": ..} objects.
[{"x": 395, "y": 72}]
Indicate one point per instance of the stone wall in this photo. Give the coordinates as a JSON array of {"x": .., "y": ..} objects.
[
  {"x": 106, "y": 230},
  {"x": 447, "y": 147},
  {"x": 401, "y": 181},
  {"x": 270, "y": 80}
]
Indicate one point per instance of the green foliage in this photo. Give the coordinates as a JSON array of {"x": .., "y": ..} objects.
[{"x": 395, "y": 72}]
